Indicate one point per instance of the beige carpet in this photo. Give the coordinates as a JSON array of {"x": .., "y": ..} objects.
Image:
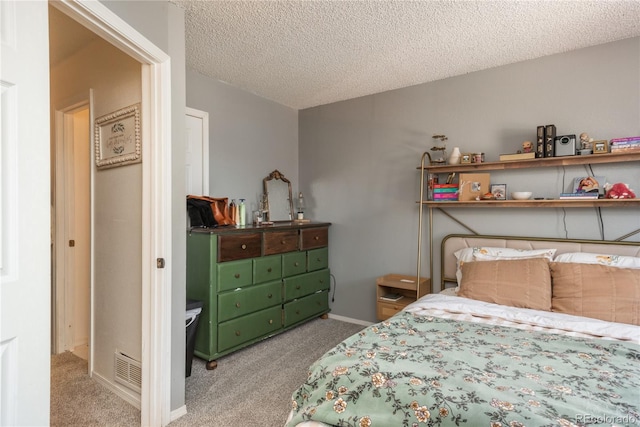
[{"x": 251, "y": 387}]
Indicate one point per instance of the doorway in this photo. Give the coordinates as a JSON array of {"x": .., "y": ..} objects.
[{"x": 72, "y": 231}]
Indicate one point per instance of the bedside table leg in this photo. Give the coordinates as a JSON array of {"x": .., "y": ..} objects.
[
  {"x": 325, "y": 316},
  {"x": 211, "y": 365}
]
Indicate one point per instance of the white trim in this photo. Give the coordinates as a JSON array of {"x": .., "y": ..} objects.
[
  {"x": 177, "y": 413},
  {"x": 349, "y": 320},
  {"x": 122, "y": 392},
  {"x": 156, "y": 233},
  {"x": 205, "y": 145}
]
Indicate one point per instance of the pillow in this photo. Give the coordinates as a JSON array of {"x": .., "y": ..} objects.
[
  {"x": 524, "y": 283},
  {"x": 596, "y": 291},
  {"x": 482, "y": 253},
  {"x": 589, "y": 258}
]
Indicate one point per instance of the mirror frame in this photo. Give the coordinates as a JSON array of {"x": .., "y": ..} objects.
[{"x": 277, "y": 176}]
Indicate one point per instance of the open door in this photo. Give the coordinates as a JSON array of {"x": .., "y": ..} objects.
[{"x": 25, "y": 236}]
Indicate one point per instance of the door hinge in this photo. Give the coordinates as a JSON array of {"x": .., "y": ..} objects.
[{"x": 160, "y": 262}]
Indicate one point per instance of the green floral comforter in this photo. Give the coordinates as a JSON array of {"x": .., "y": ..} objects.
[{"x": 420, "y": 370}]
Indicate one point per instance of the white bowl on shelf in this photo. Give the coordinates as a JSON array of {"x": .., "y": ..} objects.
[{"x": 521, "y": 195}]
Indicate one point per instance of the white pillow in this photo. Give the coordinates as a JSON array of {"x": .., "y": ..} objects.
[
  {"x": 484, "y": 253},
  {"x": 603, "y": 259}
]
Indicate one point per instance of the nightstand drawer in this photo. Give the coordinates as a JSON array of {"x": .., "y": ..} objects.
[
  {"x": 388, "y": 309},
  {"x": 279, "y": 242},
  {"x": 234, "y": 274},
  {"x": 239, "y": 246},
  {"x": 237, "y": 303}
]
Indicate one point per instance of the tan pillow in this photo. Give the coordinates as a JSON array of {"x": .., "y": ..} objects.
[
  {"x": 596, "y": 291},
  {"x": 522, "y": 283}
]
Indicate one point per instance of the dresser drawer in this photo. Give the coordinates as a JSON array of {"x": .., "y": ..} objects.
[
  {"x": 312, "y": 238},
  {"x": 294, "y": 263},
  {"x": 237, "y": 303},
  {"x": 279, "y": 242},
  {"x": 306, "y": 307},
  {"x": 267, "y": 268},
  {"x": 239, "y": 246},
  {"x": 238, "y": 331},
  {"x": 305, "y": 284},
  {"x": 317, "y": 259},
  {"x": 234, "y": 274}
]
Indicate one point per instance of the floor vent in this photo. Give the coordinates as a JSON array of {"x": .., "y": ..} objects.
[{"x": 128, "y": 371}]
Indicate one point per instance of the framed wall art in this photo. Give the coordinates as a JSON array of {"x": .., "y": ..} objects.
[{"x": 117, "y": 138}]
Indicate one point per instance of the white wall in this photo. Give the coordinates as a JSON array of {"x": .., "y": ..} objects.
[
  {"x": 358, "y": 158},
  {"x": 117, "y": 192}
]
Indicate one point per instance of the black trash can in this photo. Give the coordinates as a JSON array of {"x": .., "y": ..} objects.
[{"x": 194, "y": 308}]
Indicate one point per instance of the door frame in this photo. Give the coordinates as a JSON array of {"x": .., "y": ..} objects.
[
  {"x": 61, "y": 311},
  {"x": 156, "y": 204}
]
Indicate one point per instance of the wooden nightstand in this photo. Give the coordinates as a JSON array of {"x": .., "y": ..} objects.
[{"x": 403, "y": 286}]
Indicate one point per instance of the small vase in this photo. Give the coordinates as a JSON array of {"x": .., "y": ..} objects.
[{"x": 454, "y": 158}]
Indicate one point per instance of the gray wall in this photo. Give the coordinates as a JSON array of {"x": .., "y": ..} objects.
[
  {"x": 249, "y": 137},
  {"x": 358, "y": 158}
]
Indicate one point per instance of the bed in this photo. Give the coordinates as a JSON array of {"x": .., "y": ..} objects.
[{"x": 528, "y": 332}]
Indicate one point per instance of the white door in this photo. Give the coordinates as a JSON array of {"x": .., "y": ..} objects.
[
  {"x": 25, "y": 237},
  {"x": 197, "y": 160}
]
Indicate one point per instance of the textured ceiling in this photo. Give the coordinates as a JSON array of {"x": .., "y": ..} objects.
[{"x": 308, "y": 53}]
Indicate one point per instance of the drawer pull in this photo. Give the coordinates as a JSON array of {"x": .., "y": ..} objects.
[
  {"x": 271, "y": 321},
  {"x": 295, "y": 264},
  {"x": 321, "y": 280},
  {"x": 237, "y": 275},
  {"x": 269, "y": 270},
  {"x": 298, "y": 287},
  {"x": 237, "y": 333},
  {"x": 270, "y": 296},
  {"x": 316, "y": 237},
  {"x": 284, "y": 242},
  {"x": 243, "y": 246},
  {"x": 297, "y": 311},
  {"x": 238, "y": 305},
  {"x": 318, "y": 259}
]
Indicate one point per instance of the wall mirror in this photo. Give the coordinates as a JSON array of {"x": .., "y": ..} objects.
[{"x": 277, "y": 190}]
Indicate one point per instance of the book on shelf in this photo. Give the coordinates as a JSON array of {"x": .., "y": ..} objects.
[
  {"x": 391, "y": 297},
  {"x": 589, "y": 185},
  {"x": 517, "y": 156},
  {"x": 578, "y": 196},
  {"x": 628, "y": 140}
]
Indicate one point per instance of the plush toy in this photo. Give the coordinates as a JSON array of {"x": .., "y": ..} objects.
[{"x": 618, "y": 190}]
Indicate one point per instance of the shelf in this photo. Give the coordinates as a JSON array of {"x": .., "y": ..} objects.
[
  {"x": 555, "y": 203},
  {"x": 535, "y": 163}
]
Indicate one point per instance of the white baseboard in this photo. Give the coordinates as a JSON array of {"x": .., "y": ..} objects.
[
  {"x": 128, "y": 396},
  {"x": 177, "y": 413},
  {"x": 350, "y": 320}
]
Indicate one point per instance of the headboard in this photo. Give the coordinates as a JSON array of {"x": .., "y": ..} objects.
[{"x": 453, "y": 242}]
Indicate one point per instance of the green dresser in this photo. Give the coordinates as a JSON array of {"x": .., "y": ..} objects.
[{"x": 255, "y": 282}]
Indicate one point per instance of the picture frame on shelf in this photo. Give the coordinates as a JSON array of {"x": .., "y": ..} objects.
[
  {"x": 499, "y": 191},
  {"x": 600, "y": 147},
  {"x": 465, "y": 158}
]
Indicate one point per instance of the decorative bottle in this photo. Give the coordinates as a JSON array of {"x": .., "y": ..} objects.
[
  {"x": 242, "y": 213},
  {"x": 454, "y": 158}
]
